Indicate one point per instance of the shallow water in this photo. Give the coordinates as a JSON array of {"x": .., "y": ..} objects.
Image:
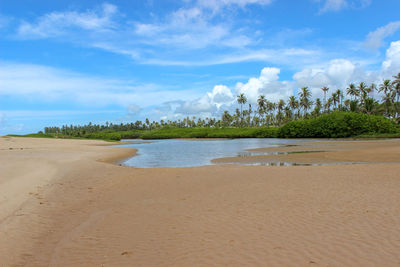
[{"x": 190, "y": 153}]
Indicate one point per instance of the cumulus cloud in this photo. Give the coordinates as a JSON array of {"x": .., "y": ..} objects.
[
  {"x": 391, "y": 65},
  {"x": 375, "y": 39},
  {"x": 266, "y": 84},
  {"x": 222, "y": 97},
  {"x": 337, "y": 74},
  {"x": 210, "y": 104}
]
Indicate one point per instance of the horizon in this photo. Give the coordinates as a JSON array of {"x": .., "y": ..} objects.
[{"x": 69, "y": 62}]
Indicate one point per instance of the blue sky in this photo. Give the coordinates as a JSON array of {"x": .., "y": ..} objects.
[{"x": 64, "y": 62}]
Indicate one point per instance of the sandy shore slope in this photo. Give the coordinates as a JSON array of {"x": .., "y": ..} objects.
[{"x": 63, "y": 204}]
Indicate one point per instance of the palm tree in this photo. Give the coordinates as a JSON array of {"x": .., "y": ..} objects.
[
  {"x": 249, "y": 122},
  {"x": 386, "y": 87},
  {"x": 339, "y": 94},
  {"x": 328, "y": 105},
  {"x": 325, "y": 90},
  {"x": 368, "y": 105},
  {"x": 271, "y": 106},
  {"x": 226, "y": 118},
  {"x": 280, "y": 106},
  {"x": 388, "y": 101},
  {"x": 372, "y": 89},
  {"x": 261, "y": 102},
  {"x": 241, "y": 99},
  {"x": 396, "y": 79},
  {"x": 396, "y": 90},
  {"x": 362, "y": 88},
  {"x": 352, "y": 91},
  {"x": 396, "y": 86},
  {"x": 388, "y": 98},
  {"x": 288, "y": 113},
  {"x": 335, "y": 100},
  {"x": 293, "y": 104},
  {"x": 318, "y": 106},
  {"x": 305, "y": 102}
]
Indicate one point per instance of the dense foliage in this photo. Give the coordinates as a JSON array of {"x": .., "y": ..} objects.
[{"x": 338, "y": 124}]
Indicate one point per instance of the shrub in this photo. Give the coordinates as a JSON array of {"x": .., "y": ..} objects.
[{"x": 338, "y": 124}]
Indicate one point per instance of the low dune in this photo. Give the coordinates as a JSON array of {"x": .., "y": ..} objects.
[{"x": 65, "y": 203}]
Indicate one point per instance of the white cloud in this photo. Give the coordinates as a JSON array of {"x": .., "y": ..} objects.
[
  {"x": 333, "y": 5},
  {"x": 337, "y": 5},
  {"x": 391, "y": 65},
  {"x": 189, "y": 28},
  {"x": 337, "y": 74},
  {"x": 133, "y": 109},
  {"x": 208, "y": 105},
  {"x": 375, "y": 39},
  {"x": 182, "y": 35},
  {"x": 266, "y": 84},
  {"x": 46, "y": 84},
  {"x": 192, "y": 27},
  {"x": 222, "y": 97},
  {"x": 57, "y": 23},
  {"x": 293, "y": 56},
  {"x": 218, "y": 4}
]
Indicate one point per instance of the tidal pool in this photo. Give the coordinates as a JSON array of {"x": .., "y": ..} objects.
[{"x": 190, "y": 153}]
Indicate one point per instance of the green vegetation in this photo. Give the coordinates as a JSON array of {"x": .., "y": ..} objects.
[
  {"x": 339, "y": 124},
  {"x": 360, "y": 115},
  {"x": 168, "y": 133},
  {"x": 211, "y": 133}
]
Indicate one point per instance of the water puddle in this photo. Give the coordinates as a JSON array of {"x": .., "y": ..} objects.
[
  {"x": 286, "y": 163},
  {"x": 190, "y": 153},
  {"x": 275, "y": 153}
]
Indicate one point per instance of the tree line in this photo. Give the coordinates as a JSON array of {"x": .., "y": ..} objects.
[{"x": 361, "y": 98}]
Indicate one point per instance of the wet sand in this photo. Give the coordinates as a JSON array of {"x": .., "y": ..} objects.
[
  {"x": 62, "y": 203},
  {"x": 326, "y": 152}
]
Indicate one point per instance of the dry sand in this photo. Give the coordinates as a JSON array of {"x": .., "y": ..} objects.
[{"x": 63, "y": 204}]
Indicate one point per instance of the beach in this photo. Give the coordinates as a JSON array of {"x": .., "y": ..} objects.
[{"x": 69, "y": 203}]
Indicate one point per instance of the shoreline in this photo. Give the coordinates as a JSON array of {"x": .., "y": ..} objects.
[{"x": 78, "y": 209}]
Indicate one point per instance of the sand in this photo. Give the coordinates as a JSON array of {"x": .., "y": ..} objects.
[
  {"x": 63, "y": 203},
  {"x": 345, "y": 151}
]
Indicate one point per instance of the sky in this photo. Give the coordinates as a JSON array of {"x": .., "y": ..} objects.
[{"x": 75, "y": 62}]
